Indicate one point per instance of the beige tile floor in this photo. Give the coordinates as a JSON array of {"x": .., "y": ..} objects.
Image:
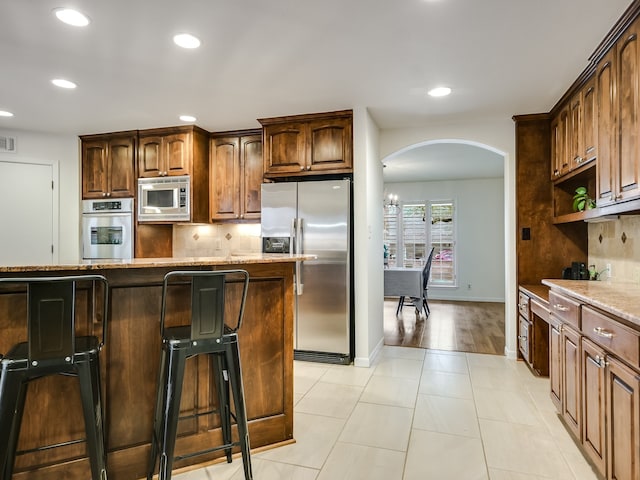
[{"x": 418, "y": 414}]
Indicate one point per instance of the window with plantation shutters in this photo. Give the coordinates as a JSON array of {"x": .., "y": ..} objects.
[
  {"x": 414, "y": 235},
  {"x": 442, "y": 239},
  {"x": 390, "y": 235},
  {"x": 410, "y": 230}
]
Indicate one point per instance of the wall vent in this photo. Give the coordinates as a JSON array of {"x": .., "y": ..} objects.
[{"x": 7, "y": 144}]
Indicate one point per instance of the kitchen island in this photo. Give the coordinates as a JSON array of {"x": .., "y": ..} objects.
[{"x": 130, "y": 363}]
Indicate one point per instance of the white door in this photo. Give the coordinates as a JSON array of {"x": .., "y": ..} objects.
[{"x": 26, "y": 214}]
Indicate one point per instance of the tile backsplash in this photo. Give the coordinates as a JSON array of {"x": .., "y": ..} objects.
[
  {"x": 616, "y": 243},
  {"x": 215, "y": 240}
]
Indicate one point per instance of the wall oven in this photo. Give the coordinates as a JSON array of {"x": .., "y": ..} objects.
[
  {"x": 162, "y": 199},
  {"x": 107, "y": 229}
]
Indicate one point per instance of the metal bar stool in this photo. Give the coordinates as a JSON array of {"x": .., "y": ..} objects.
[
  {"x": 53, "y": 348},
  {"x": 206, "y": 334}
]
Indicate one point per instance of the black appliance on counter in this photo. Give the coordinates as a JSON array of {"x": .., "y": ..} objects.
[{"x": 577, "y": 271}]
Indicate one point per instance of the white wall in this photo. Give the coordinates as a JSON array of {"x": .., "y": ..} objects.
[
  {"x": 479, "y": 214},
  {"x": 368, "y": 279},
  {"x": 63, "y": 151},
  {"x": 498, "y": 133}
]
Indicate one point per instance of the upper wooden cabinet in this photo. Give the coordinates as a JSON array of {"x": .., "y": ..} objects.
[
  {"x": 618, "y": 77},
  {"x": 170, "y": 151},
  {"x": 236, "y": 171},
  {"x": 573, "y": 133},
  {"x": 178, "y": 151},
  {"x": 108, "y": 165},
  {"x": 308, "y": 144}
]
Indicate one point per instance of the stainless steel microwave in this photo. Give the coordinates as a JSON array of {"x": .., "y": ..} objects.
[{"x": 162, "y": 199}]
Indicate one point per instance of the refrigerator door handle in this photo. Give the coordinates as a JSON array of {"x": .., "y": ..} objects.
[
  {"x": 292, "y": 234},
  {"x": 299, "y": 249}
]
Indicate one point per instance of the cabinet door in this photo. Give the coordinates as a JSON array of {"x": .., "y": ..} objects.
[
  {"x": 121, "y": 178},
  {"x": 94, "y": 168},
  {"x": 330, "y": 144},
  {"x": 589, "y": 122},
  {"x": 555, "y": 364},
  {"x": 523, "y": 339},
  {"x": 252, "y": 169},
  {"x": 557, "y": 148},
  {"x": 571, "y": 394},
  {"x": 176, "y": 150},
  {"x": 607, "y": 146},
  {"x": 150, "y": 157},
  {"x": 224, "y": 171},
  {"x": 285, "y": 148},
  {"x": 623, "y": 414},
  {"x": 575, "y": 132},
  {"x": 628, "y": 106},
  {"x": 593, "y": 403}
]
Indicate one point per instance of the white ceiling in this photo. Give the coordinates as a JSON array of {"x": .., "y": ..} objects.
[{"x": 282, "y": 57}]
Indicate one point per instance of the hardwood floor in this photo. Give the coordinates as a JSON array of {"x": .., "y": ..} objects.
[{"x": 476, "y": 327}]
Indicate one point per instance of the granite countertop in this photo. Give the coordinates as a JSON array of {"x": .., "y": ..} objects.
[
  {"x": 232, "y": 259},
  {"x": 620, "y": 299}
]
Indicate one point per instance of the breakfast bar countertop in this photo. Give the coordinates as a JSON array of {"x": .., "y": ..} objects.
[
  {"x": 620, "y": 299},
  {"x": 109, "y": 264}
]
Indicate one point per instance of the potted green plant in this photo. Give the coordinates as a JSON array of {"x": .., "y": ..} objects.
[{"x": 582, "y": 200}]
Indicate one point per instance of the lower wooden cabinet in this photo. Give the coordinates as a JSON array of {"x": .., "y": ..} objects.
[
  {"x": 595, "y": 385},
  {"x": 555, "y": 363},
  {"x": 533, "y": 328},
  {"x": 623, "y": 417},
  {"x": 593, "y": 365},
  {"x": 571, "y": 379}
]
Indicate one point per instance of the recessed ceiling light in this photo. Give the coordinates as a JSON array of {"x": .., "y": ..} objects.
[
  {"x": 186, "y": 40},
  {"x": 187, "y": 118},
  {"x": 439, "y": 91},
  {"x": 71, "y": 17},
  {"x": 4, "y": 113},
  {"x": 59, "y": 82}
]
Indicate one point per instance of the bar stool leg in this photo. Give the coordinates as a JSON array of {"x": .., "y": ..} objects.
[
  {"x": 235, "y": 377},
  {"x": 89, "y": 376},
  {"x": 221, "y": 376},
  {"x": 172, "y": 394},
  {"x": 13, "y": 392},
  {"x": 157, "y": 416}
]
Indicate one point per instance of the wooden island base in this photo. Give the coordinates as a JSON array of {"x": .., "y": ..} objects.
[{"x": 130, "y": 363}]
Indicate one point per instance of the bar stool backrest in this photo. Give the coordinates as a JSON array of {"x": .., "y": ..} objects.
[
  {"x": 207, "y": 300},
  {"x": 51, "y": 321},
  {"x": 51, "y": 315}
]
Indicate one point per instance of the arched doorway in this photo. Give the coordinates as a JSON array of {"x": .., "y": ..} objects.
[{"x": 470, "y": 176}]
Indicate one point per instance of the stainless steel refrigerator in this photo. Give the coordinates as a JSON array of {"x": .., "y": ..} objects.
[{"x": 315, "y": 217}]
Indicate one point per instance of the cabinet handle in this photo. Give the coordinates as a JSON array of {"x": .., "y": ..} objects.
[
  {"x": 599, "y": 361},
  {"x": 603, "y": 332},
  {"x": 556, "y": 172},
  {"x": 619, "y": 196},
  {"x": 578, "y": 159},
  {"x": 108, "y": 194},
  {"x": 237, "y": 215},
  {"x": 302, "y": 167},
  {"x": 104, "y": 194},
  {"x": 241, "y": 216},
  {"x": 522, "y": 337},
  {"x": 309, "y": 167},
  {"x": 590, "y": 149},
  {"x": 562, "y": 308}
]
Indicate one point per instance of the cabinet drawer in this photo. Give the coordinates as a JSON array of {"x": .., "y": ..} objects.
[
  {"x": 523, "y": 305},
  {"x": 613, "y": 336},
  {"x": 565, "y": 309},
  {"x": 540, "y": 310}
]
